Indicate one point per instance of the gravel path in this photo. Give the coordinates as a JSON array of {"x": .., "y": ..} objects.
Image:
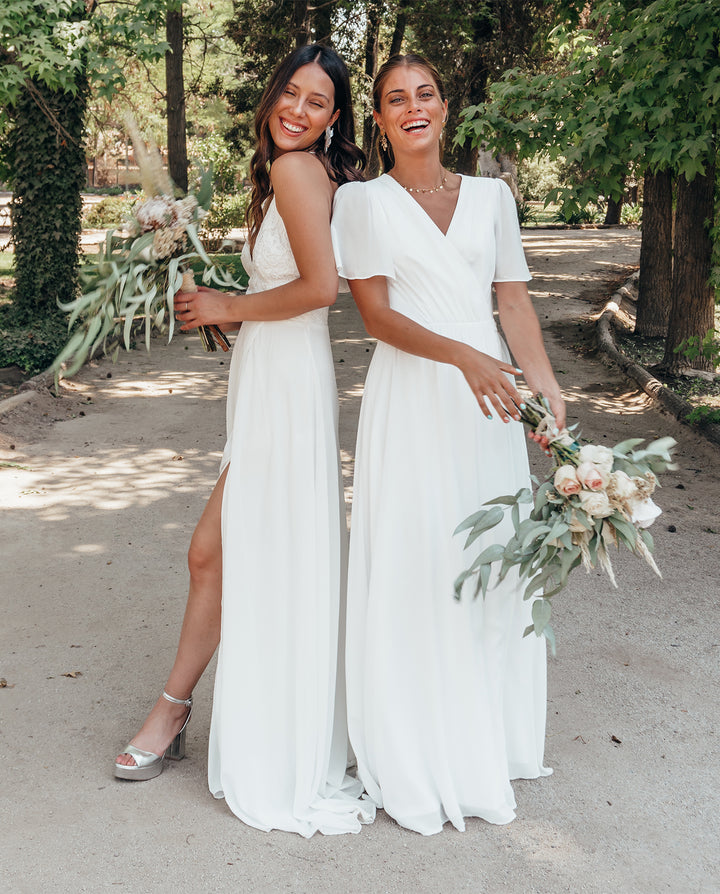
[{"x": 100, "y": 495}]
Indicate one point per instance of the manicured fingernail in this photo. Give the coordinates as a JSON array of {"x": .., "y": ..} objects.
[
  {"x": 522, "y": 407},
  {"x": 518, "y": 370},
  {"x": 489, "y": 416}
]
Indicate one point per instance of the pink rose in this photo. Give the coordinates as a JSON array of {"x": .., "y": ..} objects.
[
  {"x": 565, "y": 481},
  {"x": 589, "y": 476}
]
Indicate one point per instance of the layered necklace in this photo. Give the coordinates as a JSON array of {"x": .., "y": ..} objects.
[{"x": 426, "y": 190}]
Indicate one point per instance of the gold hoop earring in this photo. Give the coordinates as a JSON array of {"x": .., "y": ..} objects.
[{"x": 383, "y": 141}]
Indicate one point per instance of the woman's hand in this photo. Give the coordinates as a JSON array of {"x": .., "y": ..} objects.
[
  {"x": 489, "y": 382},
  {"x": 205, "y": 307},
  {"x": 557, "y": 406}
]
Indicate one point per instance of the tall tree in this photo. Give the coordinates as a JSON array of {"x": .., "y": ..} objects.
[
  {"x": 175, "y": 96},
  {"x": 692, "y": 314},
  {"x": 474, "y": 43},
  {"x": 638, "y": 90},
  {"x": 51, "y": 52},
  {"x": 655, "y": 285}
]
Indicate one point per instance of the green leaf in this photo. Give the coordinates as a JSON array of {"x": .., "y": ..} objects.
[{"x": 541, "y": 612}]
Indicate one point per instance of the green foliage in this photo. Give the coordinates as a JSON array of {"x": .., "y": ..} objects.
[
  {"x": 631, "y": 214},
  {"x": 538, "y": 175},
  {"x": 44, "y": 151},
  {"x": 60, "y": 43},
  {"x": 226, "y": 213},
  {"x": 707, "y": 347},
  {"x": 638, "y": 90},
  {"x": 214, "y": 151},
  {"x": 526, "y": 213},
  {"x": 31, "y": 344},
  {"x": 571, "y": 214},
  {"x": 704, "y": 415},
  {"x": 109, "y": 212},
  {"x": 52, "y": 53}
]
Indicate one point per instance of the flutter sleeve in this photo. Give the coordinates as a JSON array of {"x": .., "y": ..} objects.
[
  {"x": 359, "y": 234},
  {"x": 510, "y": 263}
]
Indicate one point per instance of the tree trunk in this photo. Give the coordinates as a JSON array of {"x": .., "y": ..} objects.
[
  {"x": 301, "y": 25},
  {"x": 322, "y": 23},
  {"x": 46, "y": 158},
  {"x": 371, "y": 53},
  {"x": 175, "y": 98},
  {"x": 693, "y": 299},
  {"x": 400, "y": 25},
  {"x": 655, "y": 287},
  {"x": 614, "y": 207}
]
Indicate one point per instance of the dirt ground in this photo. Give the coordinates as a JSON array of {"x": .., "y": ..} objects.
[{"x": 101, "y": 488}]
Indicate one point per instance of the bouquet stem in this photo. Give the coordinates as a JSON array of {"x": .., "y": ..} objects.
[{"x": 209, "y": 334}]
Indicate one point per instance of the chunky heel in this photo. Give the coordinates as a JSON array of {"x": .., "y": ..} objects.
[
  {"x": 176, "y": 749},
  {"x": 147, "y": 764}
]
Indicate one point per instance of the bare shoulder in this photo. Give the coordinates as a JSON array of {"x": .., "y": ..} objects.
[{"x": 295, "y": 171}]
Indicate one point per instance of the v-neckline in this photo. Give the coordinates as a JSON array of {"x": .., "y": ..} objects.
[{"x": 424, "y": 212}]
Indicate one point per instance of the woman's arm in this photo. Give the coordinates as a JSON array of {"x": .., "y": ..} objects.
[
  {"x": 303, "y": 195},
  {"x": 484, "y": 374},
  {"x": 522, "y": 329}
]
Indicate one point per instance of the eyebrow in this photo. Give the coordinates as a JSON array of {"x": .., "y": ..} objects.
[
  {"x": 402, "y": 90},
  {"x": 316, "y": 93}
]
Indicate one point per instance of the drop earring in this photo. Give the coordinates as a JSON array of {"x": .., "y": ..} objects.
[
  {"x": 328, "y": 137},
  {"x": 383, "y": 141}
]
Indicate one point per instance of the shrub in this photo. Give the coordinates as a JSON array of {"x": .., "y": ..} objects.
[
  {"x": 703, "y": 415},
  {"x": 226, "y": 213},
  {"x": 631, "y": 214},
  {"x": 109, "y": 212},
  {"x": 573, "y": 216},
  {"x": 526, "y": 213},
  {"x": 31, "y": 345}
]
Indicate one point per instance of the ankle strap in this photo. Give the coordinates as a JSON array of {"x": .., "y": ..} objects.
[{"x": 178, "y": 701}]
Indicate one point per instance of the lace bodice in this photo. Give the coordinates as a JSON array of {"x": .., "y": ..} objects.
[{"x": 272, "y": 264}]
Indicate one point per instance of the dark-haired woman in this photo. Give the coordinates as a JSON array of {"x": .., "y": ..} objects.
[
  {"x": 446, "y": 700},
  {"x": 266, "y": 575}
]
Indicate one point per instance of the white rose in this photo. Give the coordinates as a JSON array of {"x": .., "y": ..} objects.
[
  {"x": 595, "y": 503},
  {"x": 644, "y": 513},
  {"x": 602, "y": 457}
]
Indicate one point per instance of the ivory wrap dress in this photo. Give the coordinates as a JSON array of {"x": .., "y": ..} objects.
[
  {"x": 278, "y": 738},
  {"x": 446, "y": 700}
]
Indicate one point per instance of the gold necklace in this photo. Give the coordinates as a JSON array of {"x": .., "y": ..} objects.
[{"x": 426, "y": 191}]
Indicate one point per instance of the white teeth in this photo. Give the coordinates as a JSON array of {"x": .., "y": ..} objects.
[
  {"x": 415, "y": 124},
  {"x": 293, "y": 128}
]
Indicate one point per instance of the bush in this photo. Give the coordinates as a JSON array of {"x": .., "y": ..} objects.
[
  {"x": 214, "y": 151},
  {"x": 703, "y": 415},
  {"x": 31, "y": 345},
  {"x": 631, "y": 214},
  {"x": 526, "y": 213},
  {"x": 109, "y": 212},
  {"x": 538, "y": 176},
  {"x": 226, "y": 213},
  {"x": 573, "y": 216}
]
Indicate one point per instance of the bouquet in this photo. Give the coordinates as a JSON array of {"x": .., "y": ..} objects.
[
  {"x": 595, "y": 497},
  {"x": 137, "y": 275}
]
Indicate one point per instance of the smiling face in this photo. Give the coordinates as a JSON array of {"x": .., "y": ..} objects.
[
  {"x": 412, "y": 110},
  {"x": 304, "y": 110}
]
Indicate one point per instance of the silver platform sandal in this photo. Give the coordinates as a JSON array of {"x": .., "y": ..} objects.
[{"x": 147, "y": 764}]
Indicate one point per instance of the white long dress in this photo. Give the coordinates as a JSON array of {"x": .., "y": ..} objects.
[
  {"x": 446, "y": 700},
  {"x": 278, "y": 740}
]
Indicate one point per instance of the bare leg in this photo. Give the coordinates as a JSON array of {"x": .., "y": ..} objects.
[{"x": 200, "y": 632}]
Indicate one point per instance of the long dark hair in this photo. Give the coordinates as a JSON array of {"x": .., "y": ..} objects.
[
  {"x": 409, "y": 60},
  {"x": 344, "y": 160}
]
